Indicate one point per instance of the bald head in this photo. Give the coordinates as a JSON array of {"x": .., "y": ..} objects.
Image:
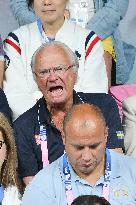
[{"x": 83, "y": 115}]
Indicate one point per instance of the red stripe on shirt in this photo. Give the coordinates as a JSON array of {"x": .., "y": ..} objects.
[
  {"x": 13, "y": 45},
  {"x": 91, "y": 46}
]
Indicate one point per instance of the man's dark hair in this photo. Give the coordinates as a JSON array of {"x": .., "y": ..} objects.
[{"x": 90, "y": 200}]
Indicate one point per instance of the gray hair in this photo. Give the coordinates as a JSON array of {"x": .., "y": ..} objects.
[{"x": 69, "y": 52}]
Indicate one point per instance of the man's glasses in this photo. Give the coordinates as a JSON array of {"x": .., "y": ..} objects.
[
  {"x": 59, "y": 70},
  {"x": 1, "y": 143}
]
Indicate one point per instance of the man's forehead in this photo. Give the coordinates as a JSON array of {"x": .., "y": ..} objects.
[
  {"x": 85, "y": 122},
  {"x": 52, "y": 57},
  {"x": 51, "y": 52},
  {"x": 85, "y": 129}
]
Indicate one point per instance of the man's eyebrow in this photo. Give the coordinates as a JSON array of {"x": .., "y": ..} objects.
[{"x": 88, "y": 145}]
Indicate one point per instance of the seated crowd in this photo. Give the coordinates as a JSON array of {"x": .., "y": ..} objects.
[{"x": 57, "y": 120}]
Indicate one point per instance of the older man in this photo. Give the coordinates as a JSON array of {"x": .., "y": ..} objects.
[
  {"x": 38, "y": 131},
  {"x": 86, "y": 167}
]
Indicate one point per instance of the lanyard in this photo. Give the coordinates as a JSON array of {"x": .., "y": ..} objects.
[
  {"x": 43, "y": 141},
  {"x": 68, "y": 185},
  {"x": 44, "y": 148},
  {"x": 106, "y": 186},
  {"x": 1, "y": 193},
  {"x": 44, "y": 38},
  {"x": 67, "y": 182}
]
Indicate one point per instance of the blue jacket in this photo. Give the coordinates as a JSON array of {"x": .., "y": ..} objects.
[{"x": 105, "y": 23}]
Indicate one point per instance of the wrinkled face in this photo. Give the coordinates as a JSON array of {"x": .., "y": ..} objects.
[
  {"x": 85, "y": 145},
  {"x": 2, "y": 150},
  {"x": 56, "y": 88},
  {"x": 50, "y": 11}
]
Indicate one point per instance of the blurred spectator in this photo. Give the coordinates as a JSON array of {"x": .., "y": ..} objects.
[
  {"x": 22, "y": 13},
  {"x": 7, "y": 20},
  {"x": 129, "y": 123},
  {"x": 128, "y": 34}
]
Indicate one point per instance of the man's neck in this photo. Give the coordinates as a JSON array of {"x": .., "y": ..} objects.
[
  {"x": 51, "y": 29},
  {"x": 58, "y": 112}
]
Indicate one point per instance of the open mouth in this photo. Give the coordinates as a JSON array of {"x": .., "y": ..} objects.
[{"x": 56, "y": 90}]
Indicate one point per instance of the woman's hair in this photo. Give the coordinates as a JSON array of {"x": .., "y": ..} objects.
[
  {"x": 8, "y": 170},
  {"x": 90, "y": 200},
  {"x": 30, "y": 3}
]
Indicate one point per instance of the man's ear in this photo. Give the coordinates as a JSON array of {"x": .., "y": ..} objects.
[{"x": 106, "y": 132}]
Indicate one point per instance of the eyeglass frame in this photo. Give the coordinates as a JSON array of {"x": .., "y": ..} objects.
[
  {"x": 45, "y": 73},
  {"x": 2, "y": 142}
]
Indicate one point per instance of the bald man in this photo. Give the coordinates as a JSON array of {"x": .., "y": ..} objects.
[{"x": 86, "y": 167}]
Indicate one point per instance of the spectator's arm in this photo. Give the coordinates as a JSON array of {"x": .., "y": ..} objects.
[
  {"x": 27, "y": 161},
  {"x": 129, "y": 122},
  {"x": 95, "y": 69},
  {"x": 105, "y": 21},
  {"x": 22, "y": 13}
]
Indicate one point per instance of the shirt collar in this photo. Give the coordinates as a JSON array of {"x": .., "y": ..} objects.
[
  {"x": 44, "y": 114},
  {"x": 115, "y": 171}
]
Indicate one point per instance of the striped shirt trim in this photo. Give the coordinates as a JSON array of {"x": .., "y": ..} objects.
[
  {"x": 13, "y": 41},
  {"x": 90, "y": 47},
  {"x": 12, "y": 35},
  {"x": 17, "y": 48},
  {"x": 88, "y": 38}
]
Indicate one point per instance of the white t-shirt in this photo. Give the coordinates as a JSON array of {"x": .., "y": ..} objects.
[{"x": 81, "y": 11}]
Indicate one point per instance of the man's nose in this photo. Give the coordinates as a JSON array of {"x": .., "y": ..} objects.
[
  {"x": 46, "y": 2},
  {"x": 86, "y": 154},
  {"x": 52, "y": 75}
]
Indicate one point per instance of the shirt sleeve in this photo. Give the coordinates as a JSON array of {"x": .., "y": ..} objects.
[
  {"x": 22, "y": 13},
  {"x": 17, "y": 86},
  {"x": 45, "y": 188},
  {"x": 113, "y": 121},
  {"x": 27, "y": 161},
  {"x": 95, "y": 69},
  {"x": 35, "y": 195},
  {"x": 107, "y": 19}
]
